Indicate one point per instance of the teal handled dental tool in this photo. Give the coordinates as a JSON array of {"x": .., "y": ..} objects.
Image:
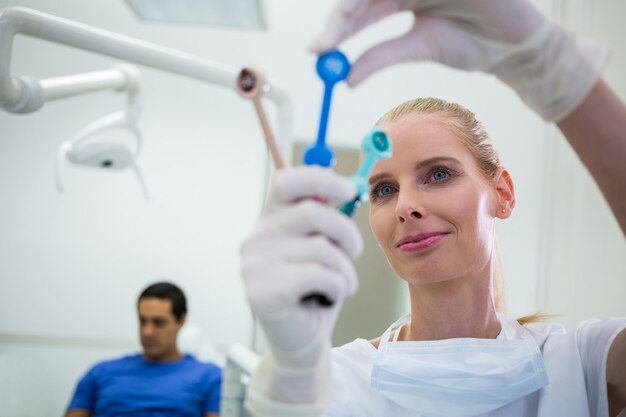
[
  {"x": 332, "y": 67},
  {"x": 375, "y": 146}
]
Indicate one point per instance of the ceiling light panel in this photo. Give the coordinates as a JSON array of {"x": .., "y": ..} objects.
[{"x": 241, "y": 14}]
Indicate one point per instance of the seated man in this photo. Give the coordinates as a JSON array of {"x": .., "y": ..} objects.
[{"x": 158, "y": 382}]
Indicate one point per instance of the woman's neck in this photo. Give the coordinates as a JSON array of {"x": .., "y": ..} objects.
[{"x": 461, "y": 307}]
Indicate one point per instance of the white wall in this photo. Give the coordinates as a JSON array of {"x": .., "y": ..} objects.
[
  {"x": 73, "y": 264},
  {"x": 583, "y": 267}
]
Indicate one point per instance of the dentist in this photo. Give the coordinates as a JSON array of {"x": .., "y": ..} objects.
[{"x": 434, "y": 208}]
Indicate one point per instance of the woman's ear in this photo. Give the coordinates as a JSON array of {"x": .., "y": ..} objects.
[{"x": 505, "y": 192}]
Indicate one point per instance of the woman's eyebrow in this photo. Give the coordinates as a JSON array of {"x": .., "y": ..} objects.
[
  {"x": 375, "y": 178},
  {"x": 419, "y": 165},
  {"x": 435, "y": 160}
]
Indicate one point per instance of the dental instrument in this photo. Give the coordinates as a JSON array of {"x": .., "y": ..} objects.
[
  {"x": 375, "y": 146},
  {"x": 251, "y": 84},
  {"x": 332, "y": 67}
]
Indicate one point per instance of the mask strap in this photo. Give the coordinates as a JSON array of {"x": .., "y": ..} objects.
[
  {"x": 397, "y": 332},
  {"x": 397, "y": 325}
]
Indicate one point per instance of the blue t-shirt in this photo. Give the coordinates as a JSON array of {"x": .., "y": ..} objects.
[{"x": 133, "y": 386}]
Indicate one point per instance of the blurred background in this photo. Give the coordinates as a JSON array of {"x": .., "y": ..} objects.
[{"x": 72, "y": 264}]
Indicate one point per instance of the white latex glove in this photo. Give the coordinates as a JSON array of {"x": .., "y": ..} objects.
[
  {"x": 550, "y": 68},
  {"x": 299, "y": 246}
]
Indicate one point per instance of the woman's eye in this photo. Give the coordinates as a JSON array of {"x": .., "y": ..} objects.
[
  {"x": 439, "y": 174},
  {"x": 381, "y": 191},
  {"x": 385, "y": 190}
]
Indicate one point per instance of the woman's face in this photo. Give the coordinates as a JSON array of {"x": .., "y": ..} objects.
[{"x": 431, "y": 209}]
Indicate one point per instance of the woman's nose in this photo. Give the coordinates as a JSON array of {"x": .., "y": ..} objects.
[{"x": 408, "y": 207}]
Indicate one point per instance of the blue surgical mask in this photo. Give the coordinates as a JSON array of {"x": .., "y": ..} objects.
[{"x": 458, "y": 377}]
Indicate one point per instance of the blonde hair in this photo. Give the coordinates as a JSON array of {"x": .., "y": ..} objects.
[
  {"x": 475, "y": 137},
  {"x": 471, "y": 131}
]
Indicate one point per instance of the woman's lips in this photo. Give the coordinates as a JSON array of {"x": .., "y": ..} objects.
[{"x": 420, "y": 242}]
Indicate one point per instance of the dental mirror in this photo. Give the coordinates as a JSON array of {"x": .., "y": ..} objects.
[{"x": 251, "y": 84}]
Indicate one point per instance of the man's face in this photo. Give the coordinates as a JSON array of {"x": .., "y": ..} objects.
[{"x": 158, "y": 329}]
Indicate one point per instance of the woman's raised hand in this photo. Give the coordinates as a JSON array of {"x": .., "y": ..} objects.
[
  {"x": 550, "y": 68},
  {"x": 300, "y": 247}
]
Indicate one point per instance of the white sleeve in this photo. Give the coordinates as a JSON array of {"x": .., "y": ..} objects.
[
  {"x": 594, "y": 338},
  {"x": 259, "y": 405},
  {"x": 339, "y": 400}
]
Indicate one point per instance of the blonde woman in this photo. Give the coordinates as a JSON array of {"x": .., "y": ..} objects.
[{"x": 434, "y": 208}]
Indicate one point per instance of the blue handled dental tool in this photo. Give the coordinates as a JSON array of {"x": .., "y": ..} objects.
[
  {"x": 375, "y": 146},
  {"x": 332, "y": 67}
]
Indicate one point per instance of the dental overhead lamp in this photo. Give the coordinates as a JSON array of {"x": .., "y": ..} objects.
[
  {"x": 89, "y": 147},
  {"x": 112, "y": 142}
]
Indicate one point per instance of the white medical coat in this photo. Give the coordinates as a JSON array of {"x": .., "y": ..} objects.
[{"x": 575, "y": 362}]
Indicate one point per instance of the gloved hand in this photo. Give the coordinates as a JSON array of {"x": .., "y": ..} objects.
[
  {"x": 299, "y": 246},
  {"x": 550, "y": 68}
]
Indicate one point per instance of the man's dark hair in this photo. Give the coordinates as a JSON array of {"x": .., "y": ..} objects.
[{"x": 167, "y": 291}]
